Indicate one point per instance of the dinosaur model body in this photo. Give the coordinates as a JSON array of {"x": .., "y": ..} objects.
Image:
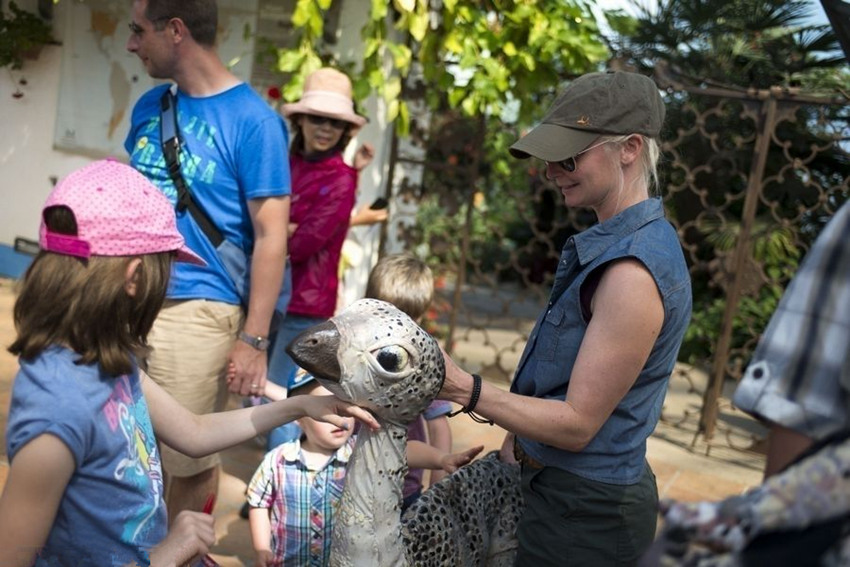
[{"x": 373, "y": 355}]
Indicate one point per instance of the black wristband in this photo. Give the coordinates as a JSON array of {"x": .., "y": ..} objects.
[
  {"x": 476, "y": 393},
  {"x": 473, "y": 401}
]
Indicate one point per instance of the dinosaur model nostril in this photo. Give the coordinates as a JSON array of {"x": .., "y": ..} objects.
[{"x": 315, "y": 351}]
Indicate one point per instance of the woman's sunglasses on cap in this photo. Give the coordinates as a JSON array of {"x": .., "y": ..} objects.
[
  {"x": 571, "y": 163},
  {"x": 335, "y": 123}
]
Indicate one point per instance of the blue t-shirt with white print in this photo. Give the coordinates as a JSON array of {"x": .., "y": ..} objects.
[
  {"x": 112, "y": 511},
  {"x": 233, "y": 149}
]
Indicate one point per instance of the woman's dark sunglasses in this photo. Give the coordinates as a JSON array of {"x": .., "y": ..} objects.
[
  {"x": 317, "y": 120},
  {"x": 570, "y": 164}
]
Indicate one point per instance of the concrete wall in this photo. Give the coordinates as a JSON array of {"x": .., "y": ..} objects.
[{"x": 28, "y": 161}]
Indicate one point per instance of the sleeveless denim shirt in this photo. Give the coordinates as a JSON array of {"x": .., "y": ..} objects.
[{"x": 616, "y": 455}]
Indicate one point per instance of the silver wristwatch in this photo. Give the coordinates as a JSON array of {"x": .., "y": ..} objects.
[{"x": 259, "y": 343}]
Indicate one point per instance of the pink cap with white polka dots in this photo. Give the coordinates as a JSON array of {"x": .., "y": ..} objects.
[{"x": 118, "y": 213}]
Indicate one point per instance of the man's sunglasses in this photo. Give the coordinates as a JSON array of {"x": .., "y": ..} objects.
[
  {"x": 317, "y": 120},
  {"x": 571, "y": 163}
]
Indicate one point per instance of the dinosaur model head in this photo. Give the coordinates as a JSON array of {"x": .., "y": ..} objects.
[{"x": 375, "y": 356}]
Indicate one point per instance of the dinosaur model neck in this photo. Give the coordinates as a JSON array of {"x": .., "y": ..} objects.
[{"x": 368, "y": 521}]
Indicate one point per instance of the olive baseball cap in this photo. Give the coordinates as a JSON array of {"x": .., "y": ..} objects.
[{"x": 612, "y": 103}]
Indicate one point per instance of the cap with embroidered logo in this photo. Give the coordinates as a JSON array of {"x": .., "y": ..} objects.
[
  {"x": 593, "y": 105},
  {"x": 118, "y": 212}
]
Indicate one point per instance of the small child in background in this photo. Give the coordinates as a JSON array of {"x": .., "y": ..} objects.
[
  {"x": 295, "y": 490},
  {"x": 85, "y": 484},
  {"x": 407, "y": 282},
  {"x": 294, "y": 494}
]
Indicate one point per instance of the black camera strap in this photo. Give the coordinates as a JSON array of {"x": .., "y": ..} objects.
[{"x": 171, "y": 150}]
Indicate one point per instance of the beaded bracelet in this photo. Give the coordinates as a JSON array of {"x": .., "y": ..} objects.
[{"x": 473, "y": 401}]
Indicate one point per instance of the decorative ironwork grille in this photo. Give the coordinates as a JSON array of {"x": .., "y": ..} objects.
[{"x": 749, "y": 178}]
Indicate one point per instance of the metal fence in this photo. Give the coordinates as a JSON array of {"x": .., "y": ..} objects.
[{"x": 749, "y": 178}]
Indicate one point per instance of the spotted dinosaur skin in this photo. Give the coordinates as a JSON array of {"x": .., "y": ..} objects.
[
  {"x": 374, "y": 355},
  {"x": 469, "y": 518}
]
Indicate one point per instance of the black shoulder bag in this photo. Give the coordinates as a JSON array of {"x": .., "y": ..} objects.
[
  {"x": 235, "y": 260},
  {"x": 171, "y": 151}
]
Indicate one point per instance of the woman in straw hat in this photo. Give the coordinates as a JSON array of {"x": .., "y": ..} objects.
[
  {"x": 324, "y": 191},
  {"x": 590, "y": 385}
]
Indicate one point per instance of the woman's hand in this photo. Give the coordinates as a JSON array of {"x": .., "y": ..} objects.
[
  {"x": 366, "y": 215},
  {"x": 457, "y": 387},
  {"x": 506, "y": 452},
  {"x": 364, "y": 156}
]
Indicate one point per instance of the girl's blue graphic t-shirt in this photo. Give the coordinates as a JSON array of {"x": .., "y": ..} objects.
[{"x": 112, "y": 512}]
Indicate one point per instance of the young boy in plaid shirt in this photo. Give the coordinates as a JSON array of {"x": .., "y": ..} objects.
[{"x": 294, "y": 494}]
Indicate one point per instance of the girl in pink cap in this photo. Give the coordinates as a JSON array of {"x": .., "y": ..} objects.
[
  {"x": 85, "y": 484},
  {"x": 324, "y": 190}
]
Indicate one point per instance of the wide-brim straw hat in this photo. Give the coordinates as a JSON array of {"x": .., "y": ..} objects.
[{"x": 327, "y": 92}]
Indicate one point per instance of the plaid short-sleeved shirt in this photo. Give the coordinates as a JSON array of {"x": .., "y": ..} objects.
[
  {"x": 301, "y": 503},
  {"x": 799, "y": 376}
]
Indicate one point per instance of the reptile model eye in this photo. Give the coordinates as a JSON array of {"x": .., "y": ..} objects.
[{"x": 392, "y": 358}]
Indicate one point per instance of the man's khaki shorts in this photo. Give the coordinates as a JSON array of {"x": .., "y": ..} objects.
[{"x": 190, "y": 341}]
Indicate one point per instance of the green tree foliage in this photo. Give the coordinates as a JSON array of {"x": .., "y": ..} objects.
[
  {"x": 21, "y": 33},
  {"x": 485, "y": 70},
  {"x": 482, "y": 58},
  {"x": 743, "y": 47},
  {"x": 749, "y": 43}
]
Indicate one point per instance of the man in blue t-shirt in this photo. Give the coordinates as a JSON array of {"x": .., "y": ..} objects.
[{"x": 233, "y": 160}]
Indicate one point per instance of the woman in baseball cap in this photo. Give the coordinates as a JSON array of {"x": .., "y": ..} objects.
[{"x": 590, "y": 385}]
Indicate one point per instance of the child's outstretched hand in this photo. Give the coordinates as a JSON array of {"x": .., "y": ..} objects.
[
  {"x": 190, "y": 538},
  {"x": 453, "y": 461},
  {"x": 332, "y": 410}
]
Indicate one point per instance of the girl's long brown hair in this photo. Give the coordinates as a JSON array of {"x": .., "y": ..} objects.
[{"x": 82, "y": 304}]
